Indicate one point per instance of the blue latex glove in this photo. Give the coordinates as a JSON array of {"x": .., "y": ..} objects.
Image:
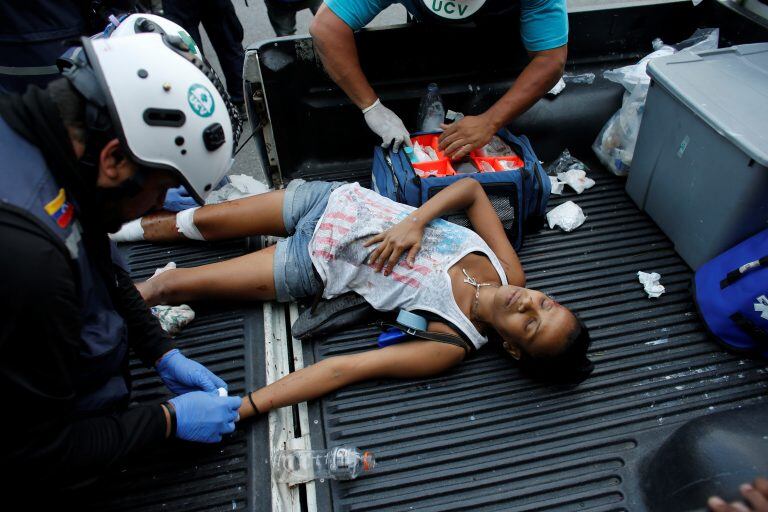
[
  {"x": 182, "y": 375},
  {"x": 178, "y": 199},
  {"x": 205, "y": 417}
]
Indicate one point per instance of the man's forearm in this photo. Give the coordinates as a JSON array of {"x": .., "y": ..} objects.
[
  {"x": 335, "y": 42},
  {"x": 538, "y": 77}
]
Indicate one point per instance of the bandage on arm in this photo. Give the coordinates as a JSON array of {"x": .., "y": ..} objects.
[{"x": 185, "y": 224}]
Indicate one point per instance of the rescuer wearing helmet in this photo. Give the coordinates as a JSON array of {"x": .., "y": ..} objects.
[{"x": 131, "y": 117}]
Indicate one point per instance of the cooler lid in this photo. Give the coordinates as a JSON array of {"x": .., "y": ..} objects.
[{"x": 727, "y": 88}]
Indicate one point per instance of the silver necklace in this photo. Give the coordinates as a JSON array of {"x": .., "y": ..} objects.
[{"x": 472, "y": 281}]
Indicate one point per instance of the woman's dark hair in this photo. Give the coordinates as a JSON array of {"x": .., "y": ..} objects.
[{"x": 569, "y": 367}]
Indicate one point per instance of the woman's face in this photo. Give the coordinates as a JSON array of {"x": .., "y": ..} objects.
[{"x": 530, "y": 322}]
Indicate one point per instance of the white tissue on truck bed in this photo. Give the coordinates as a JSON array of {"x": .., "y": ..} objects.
[
  {"x": 576, "y": 179},
  {"x": 557, "y": 186},
  {"x": 568, "y": 216},
  {"x": 650, "y": 282}
]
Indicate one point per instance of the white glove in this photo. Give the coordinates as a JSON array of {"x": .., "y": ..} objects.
[{"x": 385, "y": 123}]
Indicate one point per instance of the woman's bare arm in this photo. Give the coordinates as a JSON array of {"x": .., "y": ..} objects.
[
  {"x": 404, "y": 360},
  {"x": 466, "y": 194}
]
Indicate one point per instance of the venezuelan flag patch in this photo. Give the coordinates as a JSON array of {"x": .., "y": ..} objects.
[{"x": 60, "y": 209}]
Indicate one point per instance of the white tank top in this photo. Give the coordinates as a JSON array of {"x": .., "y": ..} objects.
[{"x": 353, "y": 215}]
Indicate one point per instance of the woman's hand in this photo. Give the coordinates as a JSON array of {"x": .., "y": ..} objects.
[{"x": 404, "y": 236}]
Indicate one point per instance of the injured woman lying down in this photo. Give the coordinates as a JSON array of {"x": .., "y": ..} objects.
[{"x": 342, "y": 237}]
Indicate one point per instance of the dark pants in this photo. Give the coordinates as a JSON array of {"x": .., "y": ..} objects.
[
  {"x": 282, "y": 15},
  {"x": 224, "y": 30}
]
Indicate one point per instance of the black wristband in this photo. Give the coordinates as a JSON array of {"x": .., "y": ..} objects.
[
  {"x": 256, "y": 410},
  {"x": 172, "y": 413}
]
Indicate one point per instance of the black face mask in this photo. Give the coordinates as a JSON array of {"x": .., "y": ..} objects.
[{"x": 108, "y": 202}]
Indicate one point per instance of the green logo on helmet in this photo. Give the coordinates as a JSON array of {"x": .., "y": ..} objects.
[
  {"x": 189, "y": 42},
  {"x": 200, "y": 100}
]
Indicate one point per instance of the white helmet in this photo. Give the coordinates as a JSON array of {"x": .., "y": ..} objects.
[
  {"x": 168, "y": 109},
  {"x": 148, "y": 23}
]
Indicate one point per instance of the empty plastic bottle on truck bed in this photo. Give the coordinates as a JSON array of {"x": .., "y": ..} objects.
[
  {"x": 339, "y": 463},
  {"x": 431, "y": 110}
]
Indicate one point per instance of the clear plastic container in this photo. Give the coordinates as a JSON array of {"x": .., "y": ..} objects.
[
  {"x": 431, "y": 110},
  {"x": 339, "y": 463}
]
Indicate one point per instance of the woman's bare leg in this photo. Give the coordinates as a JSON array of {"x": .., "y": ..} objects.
[
  {"x": 256, "y": 215},
  {"x": 248, "y": 277}
]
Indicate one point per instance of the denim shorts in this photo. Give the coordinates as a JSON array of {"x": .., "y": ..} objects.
[{"x": 303, "y": 205}]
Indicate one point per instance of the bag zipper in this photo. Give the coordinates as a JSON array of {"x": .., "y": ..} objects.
[{"x": 398, "y": 193}]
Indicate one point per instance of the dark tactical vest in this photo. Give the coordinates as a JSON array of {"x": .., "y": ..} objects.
[{"x": 27, "y": 184}]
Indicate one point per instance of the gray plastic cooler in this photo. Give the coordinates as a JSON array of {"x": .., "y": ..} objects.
[{"x": 700, "y": 167}]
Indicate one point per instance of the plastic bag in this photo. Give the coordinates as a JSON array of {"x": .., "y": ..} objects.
[
  {"x": 564, "y": 163},
  {"x": 567, "y": 170},
  {"x": 583, "y": 78},
  {"x": 568, "y": 216},
  {"x": 615, "y": 144},
  {"x": 238, "y": 186}
]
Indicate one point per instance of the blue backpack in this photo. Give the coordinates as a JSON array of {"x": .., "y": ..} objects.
[
  {"x": 731, "y": 292},
  {"x": 519, "y": 196}
]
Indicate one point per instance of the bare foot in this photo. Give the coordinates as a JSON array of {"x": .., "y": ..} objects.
[
  {"x": 149, "y": 292},
  {"x": 152, "y": 289}
]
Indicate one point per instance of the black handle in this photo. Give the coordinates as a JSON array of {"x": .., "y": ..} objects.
[
  {"x": 734, "y": 275},
  {"x": 748, "y": 326}
]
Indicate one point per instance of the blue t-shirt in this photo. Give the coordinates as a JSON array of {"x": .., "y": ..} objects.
[{"x": 543, "y": 23}]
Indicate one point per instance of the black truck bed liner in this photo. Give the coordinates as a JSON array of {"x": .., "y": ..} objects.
[{"x": 482, "y": 437}]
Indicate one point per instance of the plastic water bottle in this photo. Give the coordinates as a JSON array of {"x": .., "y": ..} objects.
[
  {"x": 339, "y": 463},
  {"x": 431, "y": 110}
]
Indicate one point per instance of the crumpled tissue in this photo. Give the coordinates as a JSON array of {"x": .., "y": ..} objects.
[
  {"x": 239, "y": 186},
  {"x": 172, "y": 318},
  {"x": 557, "y": 186},
  {"x": 650, "y": 282},
  {"x": 557, "y": 89},
  {"x": 576, "y": 179},
  {"x": 568, "y": 216}
]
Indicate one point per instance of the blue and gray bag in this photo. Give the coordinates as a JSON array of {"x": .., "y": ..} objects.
[
  {"x": 519, "y": 196},
  {"x": 731, "y": 292}
]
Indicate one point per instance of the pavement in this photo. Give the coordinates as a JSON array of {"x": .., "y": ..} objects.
[{"x": 257, "y": 28}]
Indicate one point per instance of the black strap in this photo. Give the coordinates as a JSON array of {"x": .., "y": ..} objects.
[
  {"x": 172, "y": 413},
  {"x": 257, "y": 412},
  {"x": 442, "y": 337},
  {"x": 734, "y": 275},
  {"x": 748, "y": 326},
  {"x": 432, "y": 317}
]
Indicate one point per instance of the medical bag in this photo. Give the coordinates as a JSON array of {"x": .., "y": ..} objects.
[
  {"x": 517, "y": 185},
  {"x": 731, "y": 292}
]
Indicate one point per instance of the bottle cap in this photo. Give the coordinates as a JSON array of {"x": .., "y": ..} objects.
[{"x": 369, "y": 461}]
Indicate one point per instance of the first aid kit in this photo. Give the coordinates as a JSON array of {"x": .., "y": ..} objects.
[
  {"x": 731, "y": 292},
  {"x": 517, "y": 185}
]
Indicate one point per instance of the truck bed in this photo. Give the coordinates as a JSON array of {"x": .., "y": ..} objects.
[{"x": 480, "y": 437}]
